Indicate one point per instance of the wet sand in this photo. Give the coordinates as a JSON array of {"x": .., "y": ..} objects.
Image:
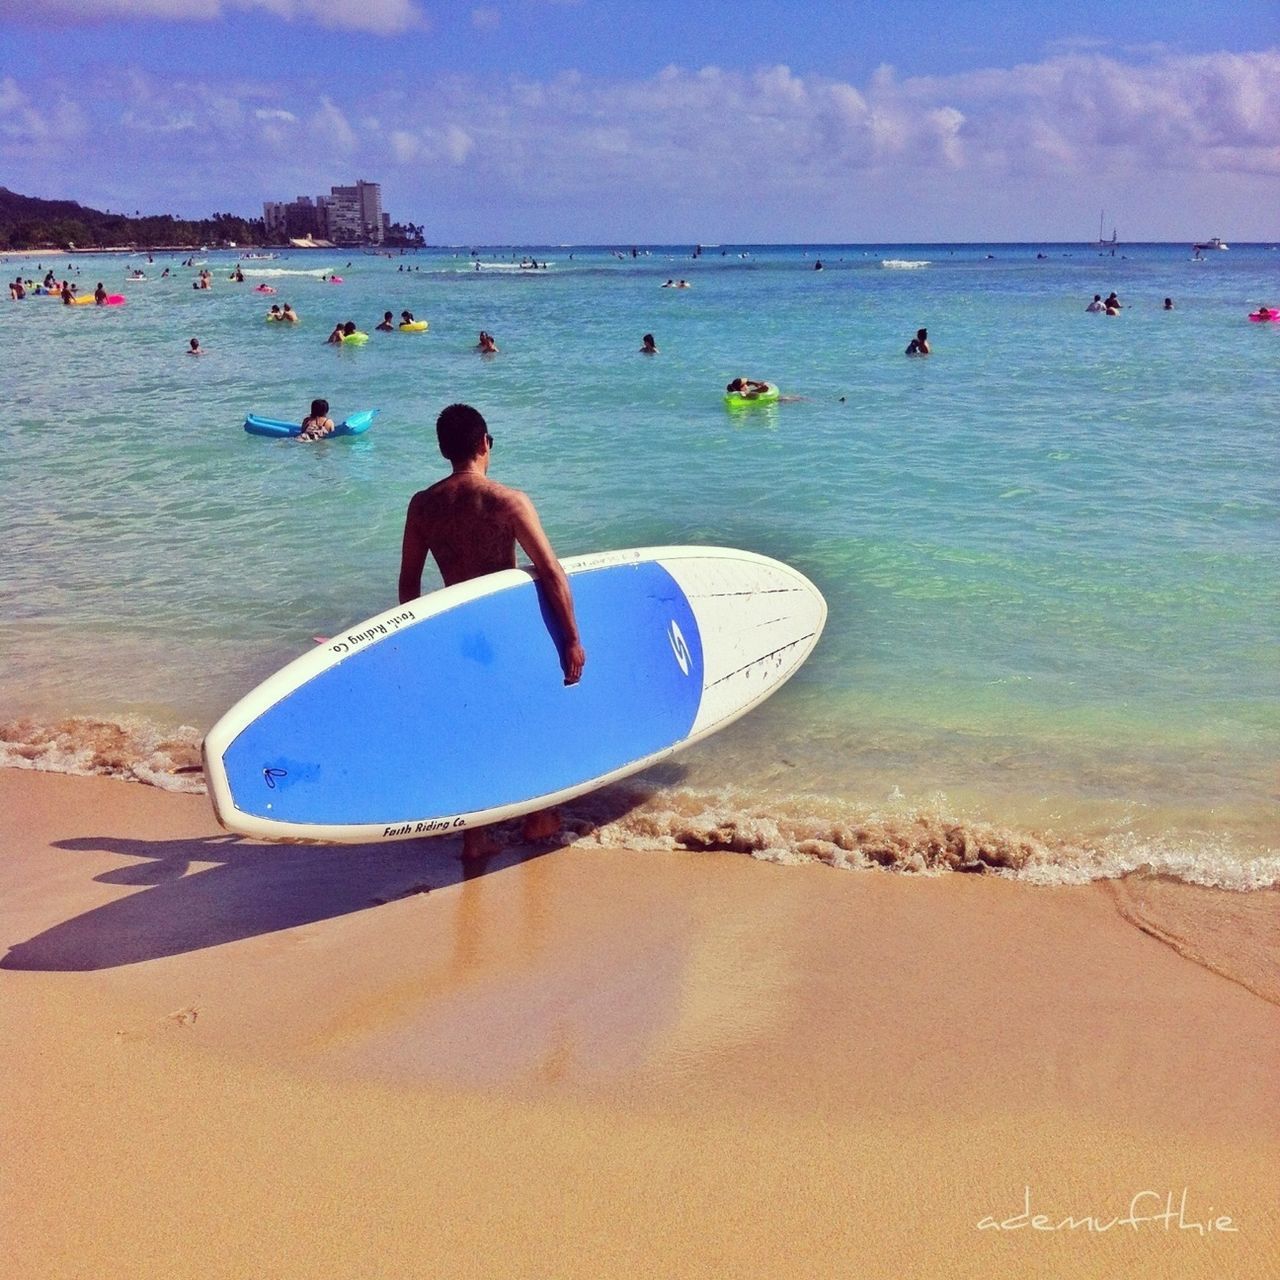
[{"x": 229, "y": 1059}]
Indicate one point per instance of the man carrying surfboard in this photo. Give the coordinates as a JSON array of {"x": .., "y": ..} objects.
[{"x": 471, "y": 524}]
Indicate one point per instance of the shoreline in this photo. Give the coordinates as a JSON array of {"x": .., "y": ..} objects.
[
  {"x": 1044, "y": 834},
  {"x": 281, "y": 1059}
]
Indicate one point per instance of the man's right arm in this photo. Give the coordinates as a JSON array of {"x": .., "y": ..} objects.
[
  {"x": 413, "y": 553},
  {"x": 531, "y": 537}
]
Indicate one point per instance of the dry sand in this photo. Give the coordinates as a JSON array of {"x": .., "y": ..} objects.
[{"x": 229, "y": 1059}]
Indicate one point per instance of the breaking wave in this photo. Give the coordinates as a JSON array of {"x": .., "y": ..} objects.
[
  {"x": 903, "y": 838},
  {"x": 792, "y": 830},
  {"x": 132, "y": 748},
  {"x": 318, "y": 272},
  {"x": 903, "y": 264}
]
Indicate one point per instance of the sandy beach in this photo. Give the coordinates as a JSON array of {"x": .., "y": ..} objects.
[{"x": 229, "y": 1059}]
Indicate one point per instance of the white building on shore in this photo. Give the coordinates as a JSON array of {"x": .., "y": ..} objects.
[{"x": 347, "y": 215}]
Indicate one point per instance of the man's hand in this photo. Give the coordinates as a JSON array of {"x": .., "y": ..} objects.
[{"x": 573, "y": 659}]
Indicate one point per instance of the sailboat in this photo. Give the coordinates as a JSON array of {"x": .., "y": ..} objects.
[{"x": 1105, "y": 244}]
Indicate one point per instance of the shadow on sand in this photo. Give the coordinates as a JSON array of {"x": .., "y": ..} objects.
[{"x": 242, "y": 889}]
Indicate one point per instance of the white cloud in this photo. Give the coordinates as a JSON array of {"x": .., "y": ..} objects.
[
  {"x": 26, "y": 129},
  {"x": 331, "y": 128},
  {"x": 450, "y": 143},
  {"x": 382, "y": 17},
  {"x": 1019, "y": 138}
]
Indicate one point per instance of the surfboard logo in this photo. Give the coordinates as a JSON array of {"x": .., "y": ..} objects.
[{"x": 678, "y": 645}]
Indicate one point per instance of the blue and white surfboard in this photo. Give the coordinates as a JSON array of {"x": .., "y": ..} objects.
[{"x": 451, "y": 711}]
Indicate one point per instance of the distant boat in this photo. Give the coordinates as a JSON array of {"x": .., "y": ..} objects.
[
  {"x": 1105, "y": 244},
  {"x": 1215, "y": 243}
]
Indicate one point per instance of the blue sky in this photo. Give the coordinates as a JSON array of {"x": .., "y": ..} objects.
[{"x": 601, "y": 121}]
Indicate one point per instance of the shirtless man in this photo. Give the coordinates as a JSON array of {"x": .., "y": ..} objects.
[{"x": 471, "y": 524}]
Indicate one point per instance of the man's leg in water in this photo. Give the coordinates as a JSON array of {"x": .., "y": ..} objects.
[
  {"x": 543, "y": 825},
  {"x": 477, "y": 842}
]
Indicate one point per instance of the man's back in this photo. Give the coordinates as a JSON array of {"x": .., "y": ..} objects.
[{"x": 469, "y": 523}]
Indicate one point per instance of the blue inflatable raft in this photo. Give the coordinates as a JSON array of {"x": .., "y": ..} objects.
[{"x": 355, "y": 425}]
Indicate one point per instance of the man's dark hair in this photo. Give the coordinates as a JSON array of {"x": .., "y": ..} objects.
[{"x": 460, "y": 430}]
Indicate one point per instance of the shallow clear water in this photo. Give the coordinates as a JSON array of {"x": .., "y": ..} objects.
[{"x": 1049, "y": 550}]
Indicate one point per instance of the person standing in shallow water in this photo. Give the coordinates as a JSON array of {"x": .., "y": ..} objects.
[{"x": 471, "y": 525}]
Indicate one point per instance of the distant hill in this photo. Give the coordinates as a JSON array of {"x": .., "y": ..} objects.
[{"x": 27, "y": 222}]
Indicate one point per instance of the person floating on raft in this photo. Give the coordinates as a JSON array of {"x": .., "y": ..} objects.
[
  {"x": 317, "y": 424},
  {"x": 747, "y": 388}
]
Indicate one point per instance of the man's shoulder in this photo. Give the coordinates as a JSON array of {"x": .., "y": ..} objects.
[
  {"x": 500, "y": 494},
  {"x": 425, "y": 496},
  {"x": 505, "y": 494}
]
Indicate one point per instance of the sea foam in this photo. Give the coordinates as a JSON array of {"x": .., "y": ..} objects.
[{"x": 893, "y": 835}]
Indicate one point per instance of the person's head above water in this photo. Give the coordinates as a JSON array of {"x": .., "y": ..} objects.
[
  {"x": 319, "y": 408},
  {"x": 349, "y": 327},
  {"x": 922, "y": 334},
  {"x": 462, "y": 433}
]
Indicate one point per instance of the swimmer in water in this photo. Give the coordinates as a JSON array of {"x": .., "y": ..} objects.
[
  {"x": 386, "y": 326},
  {"x": 919, "y": 345},
  {"x": 289, "y": 315},
  {"x": 335, "y": 338},
  {"x": 194, "y": 348},
  {"x": 747, "y": 388},
  {"x": 486, "y": 346},
  {"x": 647, "y": 345},
  {"x": 317, "y": 424}
]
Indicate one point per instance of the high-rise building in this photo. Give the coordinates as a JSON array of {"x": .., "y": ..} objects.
[
  {"x": 273, "y": 214},
  {"x": 349, "y": 215},
  {"x": 355, "y": 213},
  {"x": 300, "y": 217}
]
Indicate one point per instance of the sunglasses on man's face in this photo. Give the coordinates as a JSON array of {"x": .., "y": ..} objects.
[{"x": 488, "y": 439}]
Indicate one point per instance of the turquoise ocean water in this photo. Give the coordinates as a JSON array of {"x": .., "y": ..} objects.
[{"x": 1050, "y": 550}]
